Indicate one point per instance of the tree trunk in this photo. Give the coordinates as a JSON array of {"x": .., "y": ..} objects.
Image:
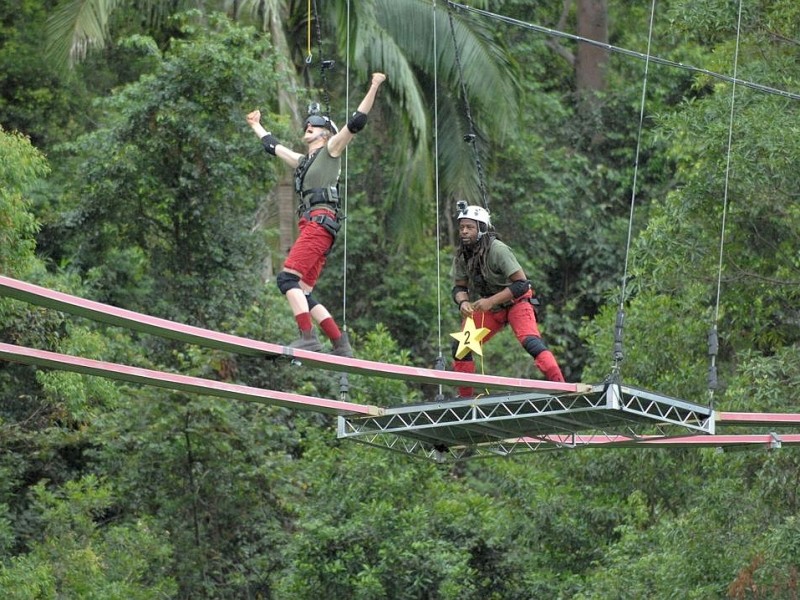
[
  {"x": 286, "y": 215},
  {"x": 287, "y": 103},
  {"x": 590, "y": 65},
  {"x": 591, "y": 61}
]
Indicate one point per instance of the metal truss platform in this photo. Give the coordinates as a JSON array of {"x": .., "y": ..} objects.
[{"x": 609, "y": 414}]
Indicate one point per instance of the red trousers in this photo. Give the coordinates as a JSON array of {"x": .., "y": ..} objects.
[{"x": 522, "y": 319}]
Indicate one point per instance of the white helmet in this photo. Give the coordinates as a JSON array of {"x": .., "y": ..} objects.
[{"x": 476, "y": 213}]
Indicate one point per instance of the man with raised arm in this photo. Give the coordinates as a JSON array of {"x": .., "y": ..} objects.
[{"x": 317, "y": 186}]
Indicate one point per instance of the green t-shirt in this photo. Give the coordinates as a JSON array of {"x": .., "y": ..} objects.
[
  {"x": 487, "y": 279},
  {"x": 323, "y": 172}
]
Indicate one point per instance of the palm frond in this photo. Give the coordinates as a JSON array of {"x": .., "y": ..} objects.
[{"x": 75, "y": 26}]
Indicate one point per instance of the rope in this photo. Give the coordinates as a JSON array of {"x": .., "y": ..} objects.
[
  {"x": 618, "y": 353},
  {"x": 633, "y": 53},
  {"x": 470, "y": 137},
  {"x": 440, "y": 358},
  {"x": 344, "y": 384},
  {"x": 309, "y": 56},
  {"x": 713, "y": 341},
  {"x": 324, "y": 65},
  {"x": 346, "y": 166}
]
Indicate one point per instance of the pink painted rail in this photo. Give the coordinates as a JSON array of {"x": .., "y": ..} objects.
[
  {"x": 120, "y": 317},
  {"x": 174, "y": 381}
]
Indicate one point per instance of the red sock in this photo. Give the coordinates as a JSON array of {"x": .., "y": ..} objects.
[
  {"x": 303, "y": 321},
  {"x": 330, "y": 328}
]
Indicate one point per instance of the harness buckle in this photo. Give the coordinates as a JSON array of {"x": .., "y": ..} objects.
[
  {"x": 329, "y": 196},
  {"x": 329, "y": 223}
]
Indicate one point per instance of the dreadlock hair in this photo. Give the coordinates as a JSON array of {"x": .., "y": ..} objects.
[{"x": 475, "y": 257}]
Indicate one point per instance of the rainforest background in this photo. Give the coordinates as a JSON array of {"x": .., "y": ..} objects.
[{"x": 128, "y": 175}]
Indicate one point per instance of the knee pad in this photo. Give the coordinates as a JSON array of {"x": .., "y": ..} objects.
[
  {"x": 454, "y": 349},
  {"x": 312, "y": 302},
  {"x": 357, "y": 122},
  {"x": 534, "y": 345},
  {"x": 287, "y": 281}
]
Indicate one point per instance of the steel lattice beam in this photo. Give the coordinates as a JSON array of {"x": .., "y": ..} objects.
[{"x": 501, "y": 425}]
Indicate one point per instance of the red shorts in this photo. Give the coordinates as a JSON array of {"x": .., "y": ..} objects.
[{"x": 307, "y": 255}]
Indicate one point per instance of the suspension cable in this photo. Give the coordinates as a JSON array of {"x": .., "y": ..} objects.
[
  {"x": 713, "y": 340},
  {"x": 324, "y": 65},
  {"x": 346, "y": 166},
  {"x": 440, "y": 358},
  {"x": 471, "y": 136},
  {"x": 625, "y": 51},
  {"x": 618, "y": 353},
  {"x": 309, "y": 56}
]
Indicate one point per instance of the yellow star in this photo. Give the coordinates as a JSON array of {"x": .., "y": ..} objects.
[{"x": 469, "y": 338}]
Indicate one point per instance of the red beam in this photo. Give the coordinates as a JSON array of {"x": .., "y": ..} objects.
[
  {"x": 182, "y": 383},
  {"x": 714, "y": 441},
  {"x": 120, "y": 317},
  {"x": 697, "y": 441},
  {"x": 758, "y": 418}
]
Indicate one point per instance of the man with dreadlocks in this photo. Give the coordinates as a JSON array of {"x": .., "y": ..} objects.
[
  {"x": 486, "y": 269},
  {"x": 317, "y": 186}
]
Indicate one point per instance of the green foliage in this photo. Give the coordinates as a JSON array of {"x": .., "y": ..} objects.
[
  {"x": 165, "y": 188},
  {"x": 121, "y": 491},
  {"x": 35, "y": 99},
  {"x": 21, "y": 168},
  {"x": 215, "y": 473},
  {"x": 669, "y": 560},
  {"x": 373, "y": 526},
  {"x": 379, "y": 345},
  {"x": 76, "y": 558},
  {"x": 772, "y": 572}
]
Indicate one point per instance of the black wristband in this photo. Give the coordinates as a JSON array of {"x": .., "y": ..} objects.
[{"x": 270, "y": 142}]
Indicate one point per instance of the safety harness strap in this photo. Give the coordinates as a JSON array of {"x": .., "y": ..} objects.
[
  {"x": 319, "y": 198},
  {"x": 302, "y": 168}
]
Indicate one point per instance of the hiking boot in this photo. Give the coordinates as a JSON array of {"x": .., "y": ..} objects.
[
  {"x": 308, "y": 341},
  {"x": 342, "y": 347}
]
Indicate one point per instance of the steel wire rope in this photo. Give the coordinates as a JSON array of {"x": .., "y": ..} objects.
[
  {"x": 471, "y": 137},
  {"x": 309, "y": 56},
  {"x": 346, "y": 167},
  {"x": 619, "y": 323},
  {"x": 713, "y": 339},
  {"x": 437, "y": 237},
  {"x": 625, "y": 51},
  {"x": 344, "y": 386},
  {"x": 324, "y": 65}
]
